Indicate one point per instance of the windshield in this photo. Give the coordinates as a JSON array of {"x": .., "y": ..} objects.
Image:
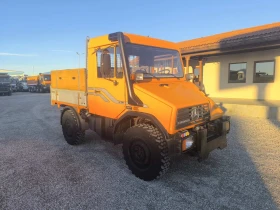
[
  {"x": 157, "y": 62},
  {"x": 47, "y": 77},
  {"x": 4, "y": 79}
]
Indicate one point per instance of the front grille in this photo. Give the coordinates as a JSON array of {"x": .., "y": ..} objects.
[
  {"x": 191, "y": 115},
  {"x": 4, "y": 88}
]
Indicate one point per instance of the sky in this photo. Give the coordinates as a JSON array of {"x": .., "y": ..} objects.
[{"x": 39, "y": 36}]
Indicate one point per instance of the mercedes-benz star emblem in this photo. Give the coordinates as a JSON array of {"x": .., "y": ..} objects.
[{"x": 194, "y": 114}]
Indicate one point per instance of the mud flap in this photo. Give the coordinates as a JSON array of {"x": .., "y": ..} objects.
[{"x": 205, "y": 146}]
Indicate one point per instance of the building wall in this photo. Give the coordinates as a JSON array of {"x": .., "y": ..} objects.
[{"x": 216, "y": 74}]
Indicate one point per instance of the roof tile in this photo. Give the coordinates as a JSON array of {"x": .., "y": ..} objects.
[{"x": 265, "y": 32}]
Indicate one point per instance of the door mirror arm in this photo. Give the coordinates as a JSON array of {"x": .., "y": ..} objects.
[{"x": 115, "y": 82}]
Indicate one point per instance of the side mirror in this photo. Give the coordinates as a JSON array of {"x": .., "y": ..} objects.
[
  {"x": 105, "y": 67},
  {"x": 189, "y": 76}
]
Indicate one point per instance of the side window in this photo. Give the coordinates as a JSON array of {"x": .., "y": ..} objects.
[
  {"x": 119, "y": 68},
  {"x": 264, "y": 71},
  {"x": 237, "y": 72},
  {"x": 109, "y": 50}
]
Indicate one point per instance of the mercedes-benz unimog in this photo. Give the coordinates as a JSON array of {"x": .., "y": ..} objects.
[
  {"x": 134, "y": 92},
  {"x": 5, "y": 84},
  {"x": 40, "y": 83}
]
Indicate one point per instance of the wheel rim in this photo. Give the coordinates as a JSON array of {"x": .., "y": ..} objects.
[{"x": 140, "y": 154}]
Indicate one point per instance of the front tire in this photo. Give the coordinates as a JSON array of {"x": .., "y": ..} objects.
[
  {"x": 146, "y": 152},
  {"x": 71, "y": 129}
]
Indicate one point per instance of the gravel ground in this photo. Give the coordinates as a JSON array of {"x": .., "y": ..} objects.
[{"x": 38, "y": 170}]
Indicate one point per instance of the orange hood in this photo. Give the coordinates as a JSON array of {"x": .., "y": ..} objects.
[{"x": 176, "y": 94}]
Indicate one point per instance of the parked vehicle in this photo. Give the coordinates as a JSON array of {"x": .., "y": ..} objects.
[
  {"x": 23, "y": 87},
  {"x": 135, "y": 93},
  {"x": 40, "y": 83},
  {"x": 14, "y": 84},
  {"x": 5, "y": 84}
]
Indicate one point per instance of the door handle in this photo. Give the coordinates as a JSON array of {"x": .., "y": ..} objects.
[{"x": 97, "y": 91}]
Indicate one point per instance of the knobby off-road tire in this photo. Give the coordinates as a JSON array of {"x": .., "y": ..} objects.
[
  {"x": 146, "y": 152},
  {"x": 70, "y": 128}
]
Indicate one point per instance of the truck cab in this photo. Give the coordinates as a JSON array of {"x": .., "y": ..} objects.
[
  {"x": 44, "y": 81},
  {"x": 134, "y": 91},
  {"x": 5, "y": 84}
]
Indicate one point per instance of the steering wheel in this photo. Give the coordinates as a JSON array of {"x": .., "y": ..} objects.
[
  {"x": 164, "y": 71},
  {"x": 143, "y": 70}
]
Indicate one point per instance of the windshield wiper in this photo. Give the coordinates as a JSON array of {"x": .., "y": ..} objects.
[
  {"x": 145, "y": 72},
  {"x": 174, "y": 75},
  {"x": 150, "y": 74}
]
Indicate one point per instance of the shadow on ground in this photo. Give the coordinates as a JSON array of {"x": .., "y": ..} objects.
[{"x": 38, "y": 170}]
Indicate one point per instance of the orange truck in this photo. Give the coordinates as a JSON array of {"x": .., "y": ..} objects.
[
  {"x": 39, "y": 83},
  {"x": 134, "y": 92}
]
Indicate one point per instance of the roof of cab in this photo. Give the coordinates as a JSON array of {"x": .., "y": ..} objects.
[
  {"x": 146, "y": 40},
  {"x": 133, "y": 38}
]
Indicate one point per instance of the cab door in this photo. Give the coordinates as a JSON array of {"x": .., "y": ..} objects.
[{"x": 106, "y": 92}]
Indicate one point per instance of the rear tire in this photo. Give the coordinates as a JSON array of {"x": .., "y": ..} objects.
[
  {"x": 71, "y": 129},
  {"x": 146, "y": 152}
]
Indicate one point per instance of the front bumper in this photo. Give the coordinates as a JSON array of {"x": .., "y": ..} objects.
[
  {"x": 5, "y": 90},
  {"x": 206, "y": 138}
]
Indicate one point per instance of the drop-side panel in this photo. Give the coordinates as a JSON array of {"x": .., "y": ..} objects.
[
  {"x": 62, "y": 96},
  {"x": 68, "y": 87}
]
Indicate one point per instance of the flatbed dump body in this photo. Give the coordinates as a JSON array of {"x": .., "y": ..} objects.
[
  {"x": 32, "y": 80},
  {"x": 68, "y": 87}
]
